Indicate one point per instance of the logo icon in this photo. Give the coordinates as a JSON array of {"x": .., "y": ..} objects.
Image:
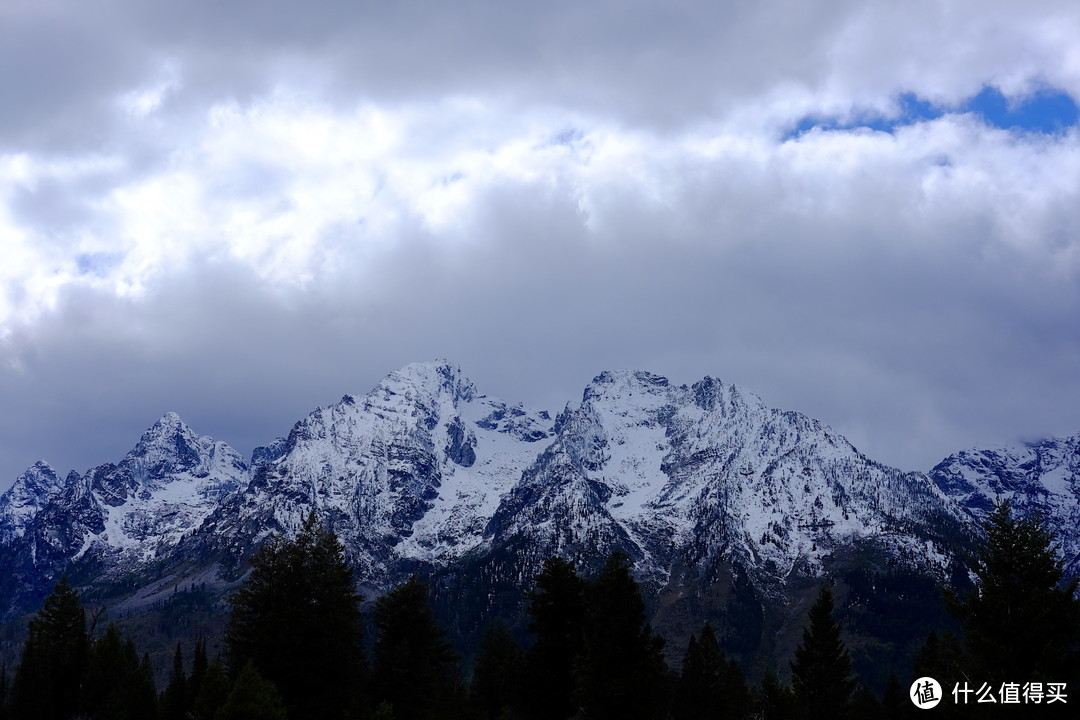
[{"x": 925, "y": 693}]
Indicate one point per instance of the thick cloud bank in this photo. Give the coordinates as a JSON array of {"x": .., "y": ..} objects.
[{"x": 239, "y": 211}]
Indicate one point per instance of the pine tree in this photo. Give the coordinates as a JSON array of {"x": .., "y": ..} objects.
[
  {"x": 710, "y": 685},
  {"x": 415, "y": 668},
  {"x": 213, "y": 691},
  {"x": 821, "y": 671},
  {"x": 47, "y": 681},
  {"x": 3, "y": 691},
  {"x": 941, "y": 658},
  {"x": 252, "y": 698},
  {"x": 1022, "y": 622},
  {"x": 114, "y": 685},
  {"x": 174, "y": 701},
  {"x": 557, "y": 621},
  {"x": 143, "y": 693},
  {"x": 199, "y": 666},
  {"x": 895, "y": 703},
  {"x": 297, "y": 618},
  {"x": 774, "y": 700},
  {"x": 497, "y": 676},
  {"x": 621, "y": 672}
]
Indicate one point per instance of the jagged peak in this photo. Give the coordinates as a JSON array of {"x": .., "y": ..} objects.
[
  {"x": 165, "y": 430},
  {"x": 169, "y": 423},
  {"x": 170, "y": 445},
  {"x": 615, "y": 383},
  {"x": 38, "y": 478},
  {"x": 710, "y": 392},
  {"x": 431, "y": 378},
  {"x": 41, "y": 466}
]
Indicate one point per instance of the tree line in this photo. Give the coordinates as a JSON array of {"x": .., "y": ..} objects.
[{"x": 294, "y": 648}]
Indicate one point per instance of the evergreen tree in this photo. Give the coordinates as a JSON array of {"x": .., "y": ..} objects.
[
  {"x": 174, "y": 701},
  {"x": 213, "y": 691},
  {"x": 114, "y": 684},
  {"x": 143, "y": 694},
  {"x": 774, "y": 700},
  {"x": 297, "y": 618},
  {"x": 621, "y": 671},
  {"x": 941, "y": 658},
  {"x": 252, "y": 698},
  {"x": 1021, "y": 623},
  {"x": 710, "y": 685},
  {"x": 47, "y": 682},
  {"x": 199, "y": 666},
  {"x": 497, "y": 674},
  {"x": 821, "y": 671},
  {"x": 3, "y": 691},
  {"x": 415, "y": 668},
  {"x": 864, "y": 704},
  {"x": 557, "y": 621},
  {"x": 895, "y": 703}
]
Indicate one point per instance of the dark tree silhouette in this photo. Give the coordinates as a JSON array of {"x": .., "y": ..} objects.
[
  {"x": 710, "y": 685},
  {"x": 557, "y": 621},
  {"x": 117, "y": 684},
  {"x": 3, "y": 691},
  {"x": 621, "y": 671},
  {"x": 498, "y": 672},
  {"x": 199, "y": 666},
  {"x": 252, "y": 698},
  {"x": 213, "y": 691},
  {"x": 174, "y": 701},
  {"x": 415, "y": 670},
  {"x": 774, "y": 700},
  {"x": 821, "y": 671},
  {"x": 53, "y": 660},
  {"x": 1021, "y": 622},
  {"x": 297, "y": 619}
]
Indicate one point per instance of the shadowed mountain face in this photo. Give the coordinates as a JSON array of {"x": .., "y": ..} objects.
[
  {"x": 1037, "y": 477},
  {"x": 720, "y": 501}
]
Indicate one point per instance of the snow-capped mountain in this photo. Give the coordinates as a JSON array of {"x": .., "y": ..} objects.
[
  {"x": 410, "y": 472},
  {"x": 1036, "y": 477},
  {"x": 707, "y": 473},
  {"x": 119, "y": 517},
  {"x": 25, "y": 499},
  {"x": 424, "y": 472}
]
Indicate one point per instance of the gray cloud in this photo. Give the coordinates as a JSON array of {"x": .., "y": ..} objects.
[
  {"x": 659, "y": 63},
  {"x": 240, "y": 211},
  {"x": 914, "y": 353}
]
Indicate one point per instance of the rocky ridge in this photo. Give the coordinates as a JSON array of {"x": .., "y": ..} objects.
[{"x": 425, "y": 473}]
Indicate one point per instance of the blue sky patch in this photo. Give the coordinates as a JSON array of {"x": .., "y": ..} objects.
[
  {"x": 1048, "y": 111},
  {"x": 1045, "y": 112},
  {"x": 97, "y": 264}
]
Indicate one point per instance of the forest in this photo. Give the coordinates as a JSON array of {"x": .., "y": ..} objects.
[{"x": 301, "y": 644}]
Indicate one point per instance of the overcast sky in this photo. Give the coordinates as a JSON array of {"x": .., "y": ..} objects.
[{"x": 868, "y": 212}]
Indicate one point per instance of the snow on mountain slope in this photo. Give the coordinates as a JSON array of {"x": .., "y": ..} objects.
[
  {"x": 162, "y": 489},
  {"x": 706, "y": 472},
  {"x": 1039, "y": 477},
  {"x": 425, "y": 471},
  {"x": 25, "y": 499},
  {"x": 165, "y": 487},
  {"x": 116, "y": 518},
  {"x": 410, "y": 471}
]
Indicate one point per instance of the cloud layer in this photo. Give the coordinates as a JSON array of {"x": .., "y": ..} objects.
[{"x": 239, "y": 211}]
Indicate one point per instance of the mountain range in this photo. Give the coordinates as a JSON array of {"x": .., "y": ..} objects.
[{"x": 726, "y": 506}]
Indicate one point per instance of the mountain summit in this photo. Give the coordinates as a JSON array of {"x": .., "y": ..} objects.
[{"x": 702, "y": 485}]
